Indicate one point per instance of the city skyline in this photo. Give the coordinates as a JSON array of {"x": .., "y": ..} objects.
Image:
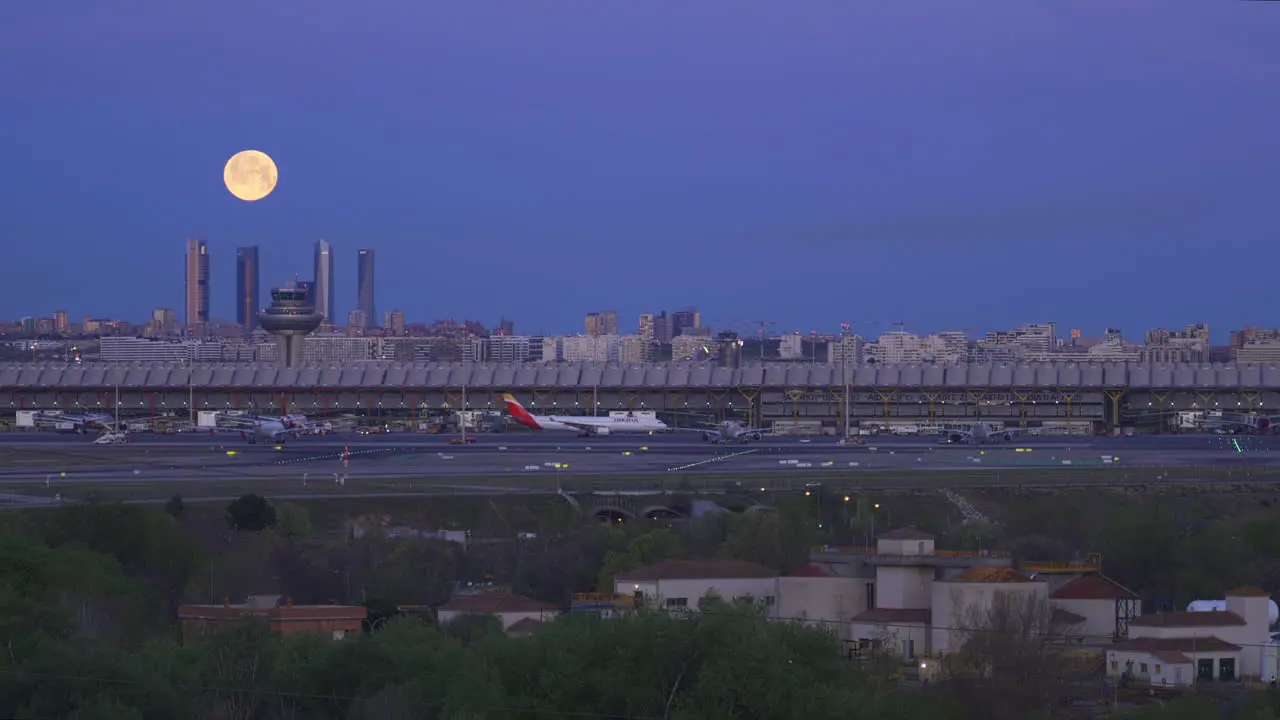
[
  {"x": 807, "y": 165},
  {"x": 200, "y": 294}
]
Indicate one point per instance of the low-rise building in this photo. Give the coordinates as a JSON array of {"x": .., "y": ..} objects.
[
  {"x": 683, "y": 583},
  {"x": 1103, "y": 607},
  {"x": 1182, "y": 648},
  {"x": 819, "y": 595},
  {"x": 281, "y": 615},
  {"x": 511, "y": 609}
]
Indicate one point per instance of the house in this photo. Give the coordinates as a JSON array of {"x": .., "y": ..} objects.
[
  {"x": 511, "y": 609},
  {"x": 1182, "y": 648},
  {"x": 682, "y": 583},
  {"x": 1103, "y": 608},
  {"x": 282, "y": 616}
]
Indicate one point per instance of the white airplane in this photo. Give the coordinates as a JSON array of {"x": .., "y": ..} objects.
[
  {"x": 254, "y": 428},
  {"x": 729, "y": 431},
  {"x": 586, "y": 426},
  {"x": 79, "y": 423},
  {"x": 979, "y": 433}
]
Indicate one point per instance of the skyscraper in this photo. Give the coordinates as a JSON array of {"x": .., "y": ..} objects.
[
  {"x": 323, "y": 290},
  {"x": 197, "y": 300},
  {"x": 364, "y": 286},
  {"x": 247, "y": 270}
]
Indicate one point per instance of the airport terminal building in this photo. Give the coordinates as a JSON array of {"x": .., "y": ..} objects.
[{"x": 803, "y": 397}]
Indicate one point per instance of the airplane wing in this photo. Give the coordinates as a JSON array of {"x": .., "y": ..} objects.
[
  {"x": 584, "y": 427},
  {"x": 713, "y": 432}
]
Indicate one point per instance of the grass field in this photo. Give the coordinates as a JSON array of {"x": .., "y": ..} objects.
[{"x": 222, "y": 485}]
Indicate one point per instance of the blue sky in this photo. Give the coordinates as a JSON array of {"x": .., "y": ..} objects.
[{"x": 938, "y": 163}]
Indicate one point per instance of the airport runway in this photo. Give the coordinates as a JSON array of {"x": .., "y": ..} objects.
[{"x": 165, "y": 458}]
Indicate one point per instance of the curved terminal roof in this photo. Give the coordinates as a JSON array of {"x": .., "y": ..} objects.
[{"x": 492, "y": 376}]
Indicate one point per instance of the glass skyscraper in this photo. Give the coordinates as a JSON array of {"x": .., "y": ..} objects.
[
  {"x": 322, "y": 292},
  {"x": 364, "y": 287},
  {"x": 247, "y": 271}
]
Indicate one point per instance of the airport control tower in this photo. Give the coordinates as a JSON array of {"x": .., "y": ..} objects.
[{"x": 291, "y": 317}]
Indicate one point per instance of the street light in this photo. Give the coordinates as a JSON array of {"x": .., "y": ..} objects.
[{"x": 844, "y": 374}]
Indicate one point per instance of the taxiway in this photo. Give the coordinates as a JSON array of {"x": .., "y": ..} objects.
[{"x": 44, "y": 465}]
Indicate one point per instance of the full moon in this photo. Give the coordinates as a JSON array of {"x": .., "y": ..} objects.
[{"x": 250, "y": 175}]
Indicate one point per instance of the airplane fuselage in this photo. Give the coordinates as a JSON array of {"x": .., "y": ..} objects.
[{"x": 598, "y": 425}]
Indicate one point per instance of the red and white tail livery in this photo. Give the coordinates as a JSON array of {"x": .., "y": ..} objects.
[{"x": 584, "y": 425}]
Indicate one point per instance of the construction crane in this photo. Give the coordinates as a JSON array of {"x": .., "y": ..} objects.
[{"x": 763, "y": 324}]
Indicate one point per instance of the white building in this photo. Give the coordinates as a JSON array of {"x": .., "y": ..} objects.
[
  {"x": 690, "y": 347},
  {"x": 894, "y": 348},
  {"x": 634, "y": 349},
  {"x": 1098, "y": 602},
  {"x": 791, "y": 347},
  {"x": 847, "y": 349},
  {"x": 816, "y": 594},
  {"x": 947, "y": 348},
  {"x": 925, "y": 602},
  {"x": 1182, "y": 648},
  {"x": 680, "y": 584},
  {"x": 969, "y": 603},
  {"x": 590, "y": 348},
  {"x": 516, "y": 612}
]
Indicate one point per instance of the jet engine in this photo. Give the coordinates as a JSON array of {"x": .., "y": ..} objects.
[
  {"x": 755, "y": 436},
  {"x": 601, "y": 431}
]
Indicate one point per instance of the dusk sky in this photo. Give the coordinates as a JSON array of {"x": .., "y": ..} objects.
[{"x": 946, "y": 164}]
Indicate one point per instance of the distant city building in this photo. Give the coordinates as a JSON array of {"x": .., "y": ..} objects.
[
  {"x": 635, "y": 349},
  {"x": 646, "y": 327},
  {"x": 163, "y": 321},
  {"x": 357, "y": 320},
  {"x": 60, "y": 321},
  {"x": 247, "y": 299},
  {"x": 323, "y": 279},
  {"x": 393, "y": 321},
  {"x": 602, "y": 323},
  {"x": 364, "y": 286},
  {"x": 197, "y": 284}
]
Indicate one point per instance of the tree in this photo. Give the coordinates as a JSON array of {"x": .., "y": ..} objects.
[
  {"x": 251, "y": 513},
  {"x": 468, "y": 629},
  {"x": 175, "y": 507},
  {"x": 1005, "y": 663},
  {"x": 293, "y": 522}
]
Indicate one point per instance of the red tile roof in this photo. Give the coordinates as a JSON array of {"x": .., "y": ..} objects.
[
  {"x": 1171, "y": 657},
  {"x": 1178, "y": 645},
  {"x": 1220, "y": 618},
  {"x": 894, "y": 615},
  {"x": 992, "y": 575},
  {"x": 697, "y": 570},
  {"x": 1092, "y": 587},
  {"x": 494, "y": 604}
]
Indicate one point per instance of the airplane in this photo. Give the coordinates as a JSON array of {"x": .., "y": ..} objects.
[
  {"x": 79, "y": 423},
  {"x": 979, "y": 433},
  {"x": 586, "y": 426},
  {"x": 729, "y": 431},
  {"x": 254, "y": 428},
  {"x": 1229, "y": 423}
]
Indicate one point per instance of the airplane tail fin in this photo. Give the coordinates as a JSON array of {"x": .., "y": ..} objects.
[{"x": 518, "y": 412}]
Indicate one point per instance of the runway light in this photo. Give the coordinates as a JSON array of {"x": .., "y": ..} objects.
[{"x": 231, "y": 452}]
